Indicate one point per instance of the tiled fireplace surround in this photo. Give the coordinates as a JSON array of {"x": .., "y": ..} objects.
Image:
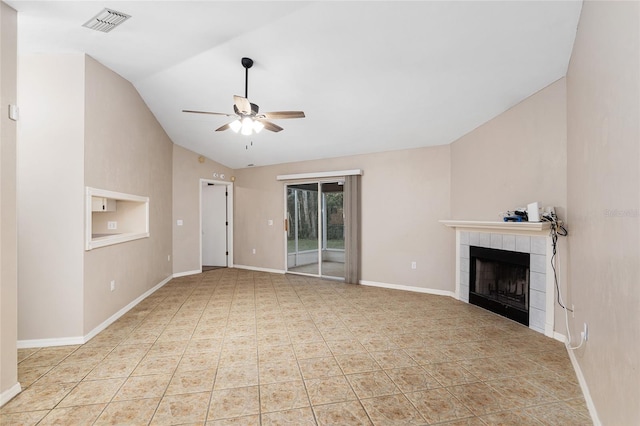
[{"x": 518, "y": 237}]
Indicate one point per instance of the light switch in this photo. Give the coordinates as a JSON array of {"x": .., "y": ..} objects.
[
  {"x": 14, "y": 112},
  {"x": 179, "y": 222},
  {"x": 270, "y": 222}
]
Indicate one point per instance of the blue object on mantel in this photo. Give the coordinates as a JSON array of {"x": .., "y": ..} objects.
[{"x": 512, "y": 218}]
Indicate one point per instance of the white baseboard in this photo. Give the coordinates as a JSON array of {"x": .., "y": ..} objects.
[
  {"x": 113, "y": 318},
  {"x": 80, "y": 340},
  {"x": 409, "y": 288},
  {"x": 559, "y": 337},
  {"x": 185, "y": 273},
  {"x": 45, "y": 343},
  {"x": 7, "y": 395},
  {"x": 255, "y": 268},
  {"x": 585, "y": 389}
]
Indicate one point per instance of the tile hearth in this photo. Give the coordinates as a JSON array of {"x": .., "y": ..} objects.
[{"x": 239, "y": 347}]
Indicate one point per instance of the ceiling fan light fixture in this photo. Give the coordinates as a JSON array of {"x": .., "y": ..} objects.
[
  {"x": 257, "y": 126},
  {"x": 235, "y": 125},
  {"x": 247, "y": 126},
  {"x": 248, "y": 120}
]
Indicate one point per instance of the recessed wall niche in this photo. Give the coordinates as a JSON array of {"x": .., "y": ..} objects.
[{"x": 114, "y": 217}]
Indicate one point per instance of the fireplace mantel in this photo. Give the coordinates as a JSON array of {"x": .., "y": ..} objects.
[{"x": 524, "y": 227}]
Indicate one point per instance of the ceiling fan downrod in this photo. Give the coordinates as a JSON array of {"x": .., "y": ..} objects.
[{"x": 246, "y": 63}]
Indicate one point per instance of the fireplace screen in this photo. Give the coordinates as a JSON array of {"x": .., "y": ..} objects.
[{"x": 499, "y": 281}]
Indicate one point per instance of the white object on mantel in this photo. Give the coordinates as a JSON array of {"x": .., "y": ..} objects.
[{"x": 533, "y": 212}]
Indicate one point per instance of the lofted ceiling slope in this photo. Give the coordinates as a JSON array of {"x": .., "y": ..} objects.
[{"x": 370, "y": 76}]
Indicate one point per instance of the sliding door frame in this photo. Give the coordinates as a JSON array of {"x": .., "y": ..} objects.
[{"x": 311, "y": 178}]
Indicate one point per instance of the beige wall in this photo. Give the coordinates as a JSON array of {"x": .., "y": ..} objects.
[
  {"x": 83, "y": 125},
  {"x": 51, "y": 196},
  {"x": 187, "y": 172},
  {"x": 8, "y": 226},
  {"x": 516, "y": 158},
  {"x": 404, "y": 194},
  {"x": 125, "y": 150},
  {"x": 603, "y": 87}
]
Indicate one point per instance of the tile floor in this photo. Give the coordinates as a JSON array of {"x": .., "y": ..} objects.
[
  {"x": 329, "y": 269},
  {"x": 232, "y": 347}
]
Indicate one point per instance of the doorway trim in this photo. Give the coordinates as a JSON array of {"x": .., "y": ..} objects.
[{"x": 229, "y": 186}]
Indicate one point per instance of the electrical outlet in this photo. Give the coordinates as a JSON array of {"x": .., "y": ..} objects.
[
  {"x": 113, "y": 285},
  {"x": 413, "y": 265},
  {"x": 112, "y": 225},
  {"x": 585, "y": 332},
  {"x": 253, "y": 251}
]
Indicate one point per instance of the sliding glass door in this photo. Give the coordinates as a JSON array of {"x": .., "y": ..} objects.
[
  {"x": 315, "y": 232},
  {"x": 332, "y": 214},
  {"x": 302, "y": 232}
]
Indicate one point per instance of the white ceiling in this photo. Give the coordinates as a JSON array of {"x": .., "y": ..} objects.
[{"x": 370, "y": 76}]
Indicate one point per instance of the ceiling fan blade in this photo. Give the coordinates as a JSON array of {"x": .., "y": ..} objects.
[
  {"x": 278, "y": 115},
  {"x": 208, "y": 112},
  {"x": 254, "y": 109},
  {"x": 270, "y": 126},
  {"x": 222, "y": 128},
  {"x": 243, "y": 104}
]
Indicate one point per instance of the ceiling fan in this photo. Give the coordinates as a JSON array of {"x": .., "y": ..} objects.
[{"x": 248, "y": 118}]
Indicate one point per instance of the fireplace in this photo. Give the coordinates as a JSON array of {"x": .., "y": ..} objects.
[
  {"x": 531, "y": 238},
  {"x": 499, "y": 282}
]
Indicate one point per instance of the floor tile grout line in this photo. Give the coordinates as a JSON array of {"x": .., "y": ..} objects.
[
  {"x": 303, "y": 299},
  {"x": 215, "y": 377},
  {"x": 142, "y": 358},
  {"x": 129, "y": 375},
  {"x": 344, "y": 375},
  {"x": 147, "y": 352},
  {"x": 311, "y": 406},
  {"x": 255, "y": 318}
]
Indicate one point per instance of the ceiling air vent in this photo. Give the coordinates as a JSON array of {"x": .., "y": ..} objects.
[{"x": 106, "y": 20}]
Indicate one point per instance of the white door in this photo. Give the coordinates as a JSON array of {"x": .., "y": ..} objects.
[{"x": 214, "y": 224}]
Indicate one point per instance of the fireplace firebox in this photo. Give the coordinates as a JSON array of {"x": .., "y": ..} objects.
[{"x": 499, "y": 282}]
